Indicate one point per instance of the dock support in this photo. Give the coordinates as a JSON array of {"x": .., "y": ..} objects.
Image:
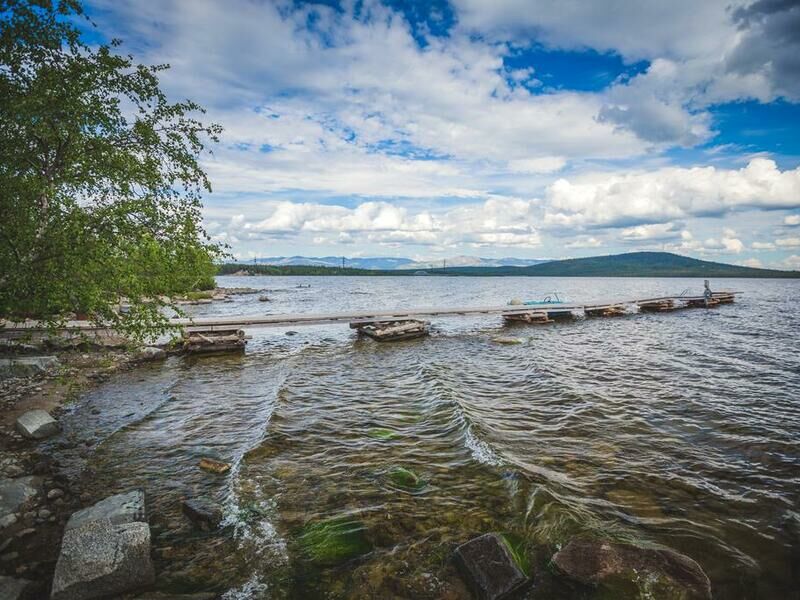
[
  {"x": 392, "y": 331},
  {"x": 537, "y": 317},
  {"x": 657, "y": 306},
  {"x": 207, "y": 342},
  {"x": 616, "y": 310}
]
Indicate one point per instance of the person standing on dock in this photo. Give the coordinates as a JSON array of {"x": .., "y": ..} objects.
[{"x": 707, "y": 293}]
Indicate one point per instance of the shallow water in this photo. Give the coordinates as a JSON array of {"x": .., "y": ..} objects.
[{"x": 678, "y": 429}]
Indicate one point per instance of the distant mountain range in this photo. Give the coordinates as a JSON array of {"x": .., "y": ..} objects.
[
  {"x": 389, "y": 263},
  {"x": 633, "y": 264}
]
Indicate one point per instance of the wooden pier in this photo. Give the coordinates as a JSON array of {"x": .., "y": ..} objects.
[{"x": 389, "y": 324}]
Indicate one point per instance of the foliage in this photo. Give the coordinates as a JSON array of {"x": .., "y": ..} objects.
[{"x": 99, "y": 174}]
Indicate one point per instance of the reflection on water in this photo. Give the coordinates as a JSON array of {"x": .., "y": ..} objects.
[{"x": 678, "y": 429}]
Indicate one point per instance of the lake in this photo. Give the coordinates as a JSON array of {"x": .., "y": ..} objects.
[{"x": 679, "y": 429}]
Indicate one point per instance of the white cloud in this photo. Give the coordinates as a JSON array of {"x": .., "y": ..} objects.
[
  {"x": 655, "y": 232},
  {"x": 792, "y": 262},
  {"x": 495, "y": 222},
  {"x": 585, "y": 242},
  {"x": 544, "y": 164},
  {"x": 792, "y": 242},
  {"x": 791, "y": 220},
  {"x": 762, "y": 246},
  {"x": 752, "y": 262},
  {"x": 667, "y": 194}
]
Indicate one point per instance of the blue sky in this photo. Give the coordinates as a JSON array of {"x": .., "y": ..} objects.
[{"x": 528, "y": 128}]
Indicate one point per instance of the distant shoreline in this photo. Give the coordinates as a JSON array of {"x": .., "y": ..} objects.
[{"x": 634, "y": 264}]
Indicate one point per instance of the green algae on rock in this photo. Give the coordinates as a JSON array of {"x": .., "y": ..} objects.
[
  {"x": 379, "y": 433},
  {"x": 518, "y": 549},
  {"x": 333, "y": 541},
  {"x": 405, "y": 479}
]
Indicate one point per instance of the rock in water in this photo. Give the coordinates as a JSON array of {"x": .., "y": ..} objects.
[
  {"x": 489, "y": 567},
  {"x": 151, "y": 353},
  {"x": 214, "y": 466},
  {"x": 205, "y": 513},
  {"x": 668, "y": 574},
  {"x": 15, "y": 494},
  {"x": 37, "y": 424},
  {"x": 15, "y": 589},
  {"x": 506, "y": 340},
  {"x": 100, "y": 559},
  {"x": 119, "y": 509}
]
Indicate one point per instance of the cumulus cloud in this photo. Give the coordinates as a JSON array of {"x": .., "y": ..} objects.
[
  {"x": 792, "y": 242},
  {"x": 769, "y": 44},
  {"x": 506, "y": 222},
  {"x": 668, "y": 194},
  {"x": 345, "y": 129}
]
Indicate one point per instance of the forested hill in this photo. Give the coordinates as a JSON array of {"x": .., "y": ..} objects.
[{"x": 633, "y": 264}]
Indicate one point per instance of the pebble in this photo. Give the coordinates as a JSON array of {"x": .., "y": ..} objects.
[
  {"x": 54, "y": 494},
  {"x": 8, "y": 521},
  {"x": 25, "y": 532},
  {"x": 8, "y": 557},
  {"x": 44, "y": 514}
]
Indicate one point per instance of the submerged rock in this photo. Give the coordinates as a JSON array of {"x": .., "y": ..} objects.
[
  {"x": 214, "y": 466},
  {"x": 405, "y": 479},
  {"x": 15, "y": 495},
  {"x": 37, "y": 424},
  {"x": 101, "y": 558},
  {"x": 491, "y": 567},
  {"x": 334, "y": 541},
  {"x": 664, "y": 573},
  {"x": 15, "y": 589},
  {"x": 506, "y": 340},
  {"x": 379, "y": 433},
  {"x": 119, "y": 509},
  {"x": 203, "y": 512}
]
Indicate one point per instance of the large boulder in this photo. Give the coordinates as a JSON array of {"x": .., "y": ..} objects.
[
  {"x": 26, "y": 366},
  {"x": 666, "y": 573},
  {"x": 15, "y": 495},
  {"x": 37, "y": 424},
  {"x": 122, "y": 508},
  {"x": 103, "y": 559},
  {"x": 490, "y": 568}
]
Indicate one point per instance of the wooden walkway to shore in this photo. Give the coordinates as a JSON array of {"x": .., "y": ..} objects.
[{"x": 362, "y": 318}]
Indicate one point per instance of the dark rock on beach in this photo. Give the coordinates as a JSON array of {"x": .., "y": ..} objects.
[
  {"x": 668, "y": 573},
  {"x": 489, "y": 568}
]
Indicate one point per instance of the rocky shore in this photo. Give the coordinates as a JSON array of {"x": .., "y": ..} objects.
[{"x": 59, "y": 541}]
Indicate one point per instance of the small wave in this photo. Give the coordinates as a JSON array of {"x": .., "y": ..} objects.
[
  {"x": 253, "y": 588},
  {"x": 481, "y": 451}
]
